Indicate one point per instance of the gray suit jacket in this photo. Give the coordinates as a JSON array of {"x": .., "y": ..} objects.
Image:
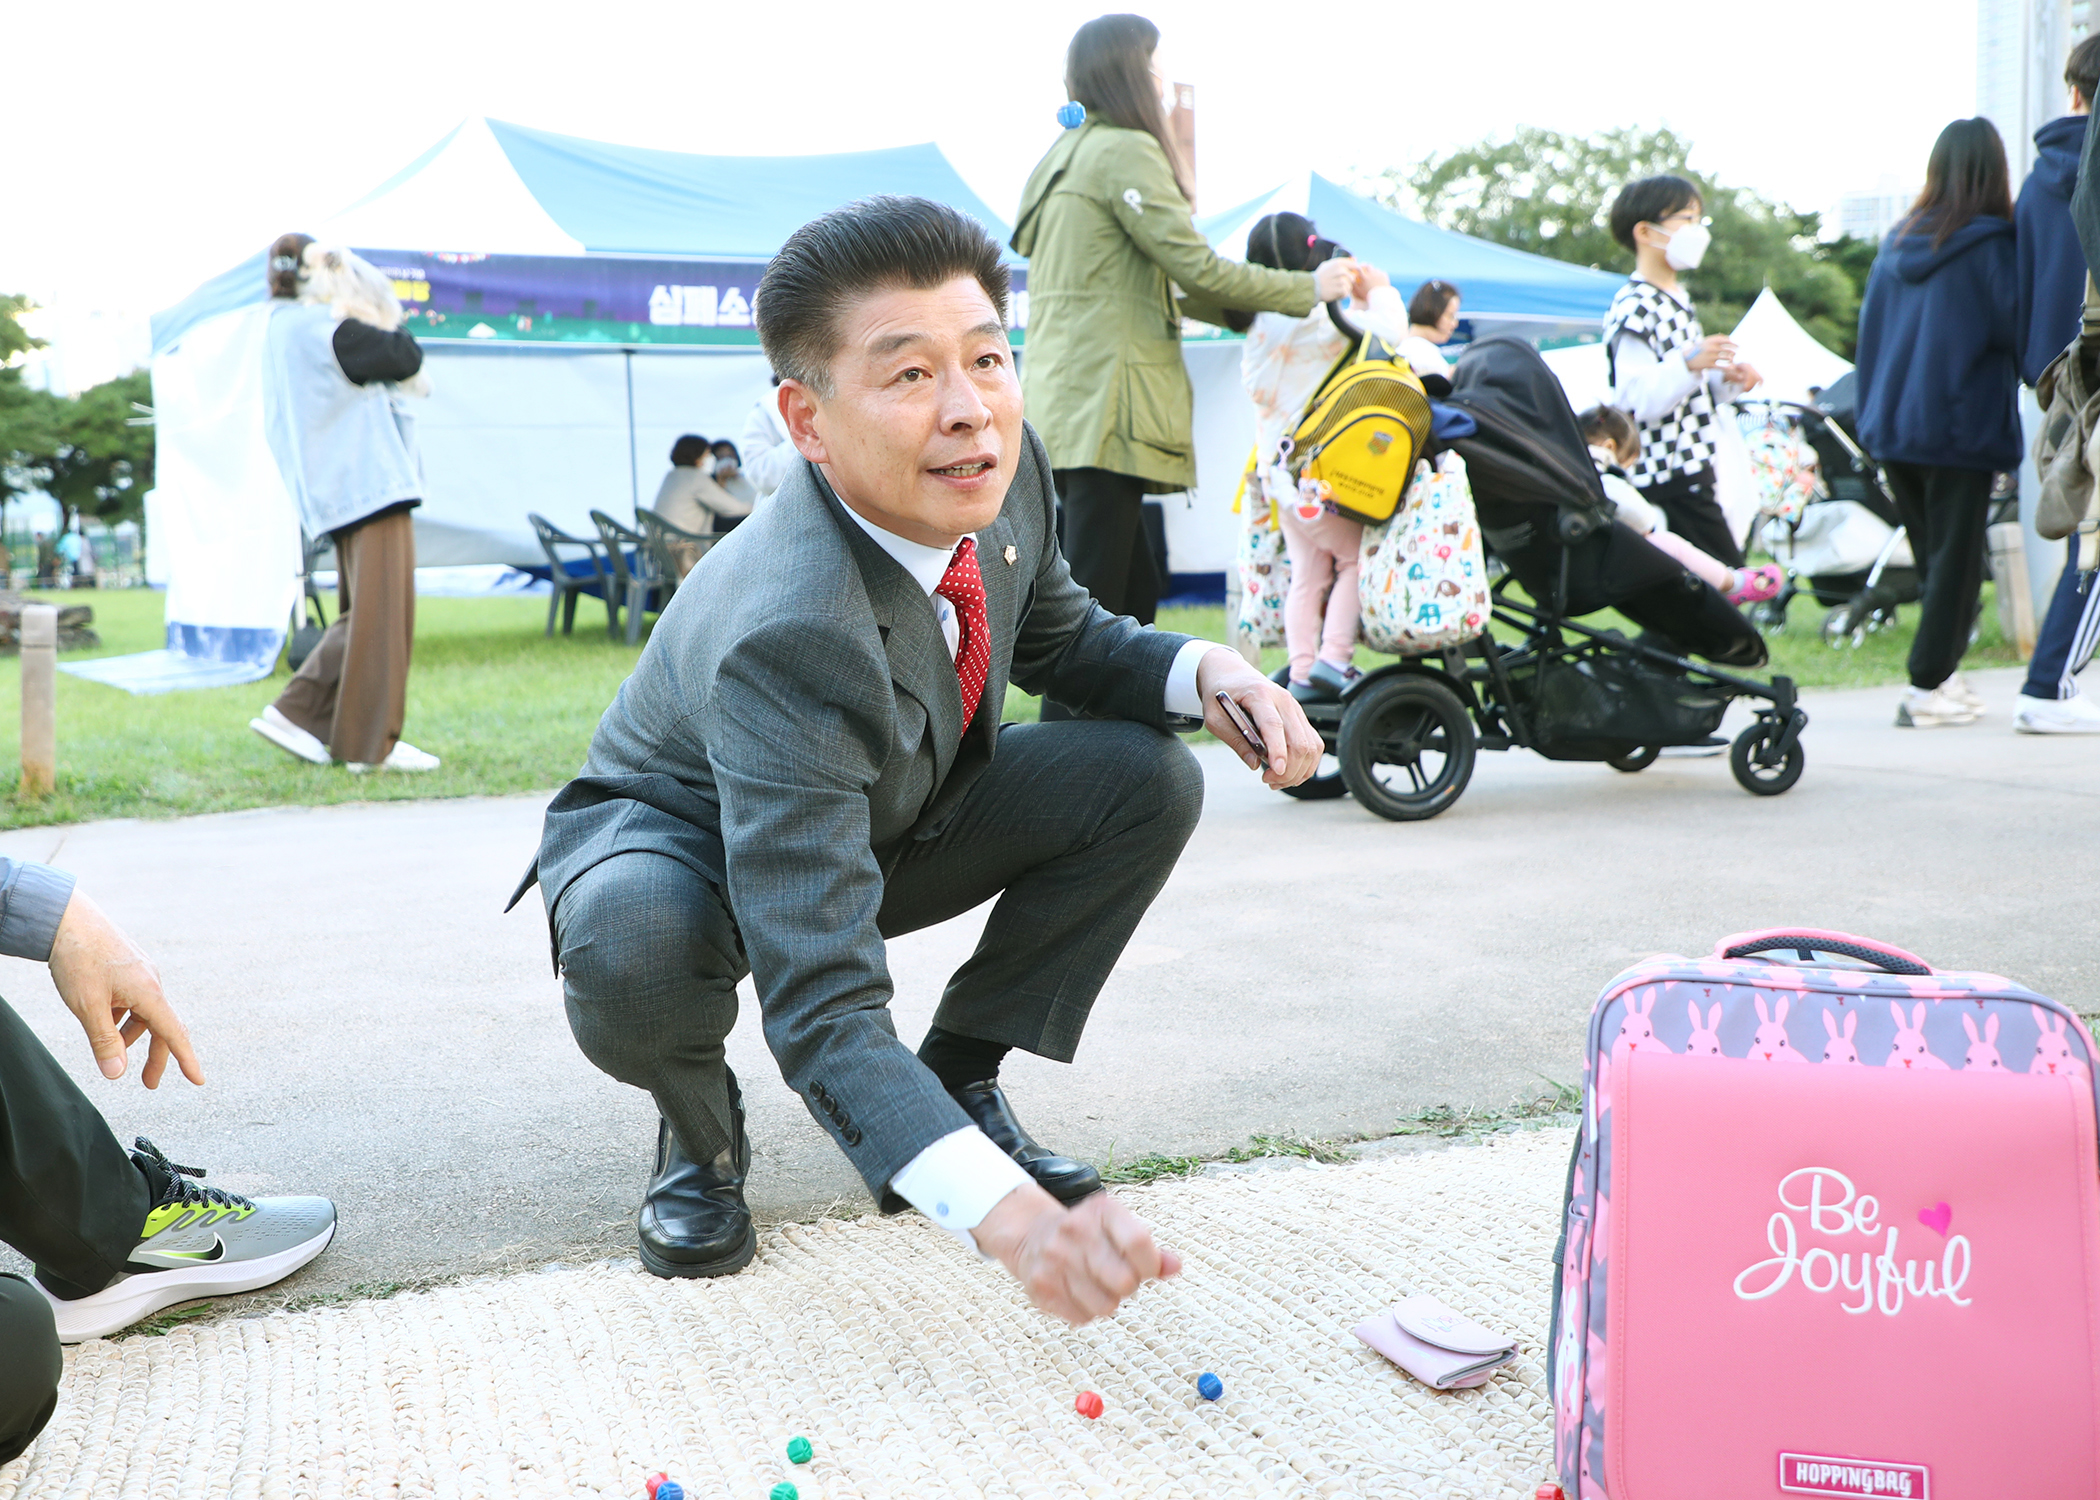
[{"x": 794, "y": 724}]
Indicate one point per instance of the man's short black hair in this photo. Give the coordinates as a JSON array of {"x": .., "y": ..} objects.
[
  {"x": 1650, "y": 201},
  {"x": 688, "y": 450},
  {"x": 874, "y": 245},
  {"x": 2082, "y": 68}
]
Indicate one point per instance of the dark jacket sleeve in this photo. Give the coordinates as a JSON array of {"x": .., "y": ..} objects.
[
  {"x": 367, "y": 354},
  {"x": 799, "y": 725}
]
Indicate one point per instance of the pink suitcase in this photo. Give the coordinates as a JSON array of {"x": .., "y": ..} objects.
[{"x": 1833, "y": 1228}]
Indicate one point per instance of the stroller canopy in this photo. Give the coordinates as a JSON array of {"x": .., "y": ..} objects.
[{"x": 1528, "y": 450}]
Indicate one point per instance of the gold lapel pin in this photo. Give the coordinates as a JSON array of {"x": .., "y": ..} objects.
[{"x": 1009, "y": 557}]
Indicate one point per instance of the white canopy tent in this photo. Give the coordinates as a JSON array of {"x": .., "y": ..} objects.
[{"x": 582, "y": 304}]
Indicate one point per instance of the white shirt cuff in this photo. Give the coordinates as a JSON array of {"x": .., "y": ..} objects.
[
  {"x": 958, "y": 1180},
  {"x": 1183, "y": 696}
]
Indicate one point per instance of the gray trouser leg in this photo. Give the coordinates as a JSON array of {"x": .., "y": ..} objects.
[
  {"x": 30, "y": 1369},
  {"x": 1078, "y": 824},
  {"x": 650, "y": 964}
]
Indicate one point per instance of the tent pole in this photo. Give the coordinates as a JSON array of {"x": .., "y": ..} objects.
[{"x": 634, "y": 482}]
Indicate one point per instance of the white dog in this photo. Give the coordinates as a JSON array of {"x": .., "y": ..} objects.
[{"x": 354, "y": 288}]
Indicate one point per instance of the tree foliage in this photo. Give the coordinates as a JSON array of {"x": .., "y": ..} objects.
[
  {"x": 1550, "y": 193},
  {"x": 81, "y": 450}
]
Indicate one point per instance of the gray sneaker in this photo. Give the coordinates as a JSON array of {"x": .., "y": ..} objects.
[{"x": 197, "y": 1242}]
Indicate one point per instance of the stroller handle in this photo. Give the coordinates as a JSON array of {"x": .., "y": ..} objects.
[
  {"x": 1807, "y": 940},
  {"x": 1343, "y": 326}
]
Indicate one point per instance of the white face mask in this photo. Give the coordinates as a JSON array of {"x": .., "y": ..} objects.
[{"x": 1687, "y": 247}]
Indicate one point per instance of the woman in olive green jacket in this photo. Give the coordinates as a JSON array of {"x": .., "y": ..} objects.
[{"x": 1114, "y": 263}]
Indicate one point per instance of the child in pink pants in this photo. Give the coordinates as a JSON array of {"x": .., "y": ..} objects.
[
  {"x": 1283, "y": 364},
  {"x": 1322, "y": 547}
]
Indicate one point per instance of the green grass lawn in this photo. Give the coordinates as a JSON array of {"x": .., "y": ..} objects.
[{"x": 506, "y": 708}]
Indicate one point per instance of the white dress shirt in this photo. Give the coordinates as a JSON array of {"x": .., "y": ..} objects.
[{"x": 962, "y": 1176}]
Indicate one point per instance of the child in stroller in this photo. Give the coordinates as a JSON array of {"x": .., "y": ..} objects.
[
  {"x": 1614, "y": 443},
  {"x": 1405, "y": 735}
]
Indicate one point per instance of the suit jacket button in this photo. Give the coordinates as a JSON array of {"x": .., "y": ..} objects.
[{"x": 851, "y": 1133}]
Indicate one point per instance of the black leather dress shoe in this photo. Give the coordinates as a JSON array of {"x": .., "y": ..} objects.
[
  {"x": 1062, "y": 1178},
  {"x": 693, "y": 1220}
]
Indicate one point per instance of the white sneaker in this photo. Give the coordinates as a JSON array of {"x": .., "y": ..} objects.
[
  {"x": 1934, "y": 710},
  {"x": 1960, "y": 691},
  {"x": 403, "y": 757},
  {"x": 2074, "y": 715},
  {"x": 285, "y": 735}
]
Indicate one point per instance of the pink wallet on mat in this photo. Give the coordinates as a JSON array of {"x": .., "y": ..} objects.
[{"x": 1437, "y": 1346}]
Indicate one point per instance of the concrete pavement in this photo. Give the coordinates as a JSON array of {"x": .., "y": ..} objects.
[{"x": 377, "y": 1030}]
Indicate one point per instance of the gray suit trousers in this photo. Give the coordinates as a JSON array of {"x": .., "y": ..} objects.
[{"x": 1074, "y": 826}]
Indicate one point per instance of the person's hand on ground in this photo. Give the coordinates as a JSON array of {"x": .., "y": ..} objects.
[
  {"x": 1714, "y": 349},
  {"x": 1293, "y": 744},
  {"x": 1333, "y": 278},
  {"x": 1075, "y": 1263},
  {"x": 114, "y": 991},
  {"x": 1743, "y": 376}
]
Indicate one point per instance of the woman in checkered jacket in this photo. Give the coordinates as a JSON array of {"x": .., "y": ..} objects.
[{"x": 1666, "y": 372}]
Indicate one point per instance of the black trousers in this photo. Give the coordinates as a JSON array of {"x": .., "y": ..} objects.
[
  {"x": 1074, "y": 827},
  {"x": 1695, "y": 514},
  {"x": 1945, "y": 513},
  {"x": 1105, "y": 542},
  {"x": 70, "y": 1200}
]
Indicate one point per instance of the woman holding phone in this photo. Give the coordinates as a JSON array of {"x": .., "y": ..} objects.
[{"x": 1106, "y": 224}]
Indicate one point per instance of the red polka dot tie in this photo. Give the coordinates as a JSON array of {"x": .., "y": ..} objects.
[{"x": 963, "y": 586}]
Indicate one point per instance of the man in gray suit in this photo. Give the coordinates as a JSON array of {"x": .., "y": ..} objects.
[{"x": 808, "y": 759}]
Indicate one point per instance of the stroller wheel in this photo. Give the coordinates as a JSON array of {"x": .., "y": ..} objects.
[
  {"x": 1407, "y": 747},
  {"x": 1844, "y": 626},
  {"x": 1324, "y": 785},
  {"x": 1764, "y": 781},
  {"x": 1638, "y": 759}
]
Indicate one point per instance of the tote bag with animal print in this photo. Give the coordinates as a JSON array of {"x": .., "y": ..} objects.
[{"x": 1422, "y": 576}]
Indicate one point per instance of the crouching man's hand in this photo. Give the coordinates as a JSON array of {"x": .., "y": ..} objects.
[
  {"x": 1076, "y": 1263},
  {"x": 1293, "y": 744}
]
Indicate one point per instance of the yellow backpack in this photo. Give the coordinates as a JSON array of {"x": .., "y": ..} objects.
[{"x": 1360, "y": 437}]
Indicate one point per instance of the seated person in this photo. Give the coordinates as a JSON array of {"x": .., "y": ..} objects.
[
  {"x": 690, "y": 499},
  {"x": 1615, "y": 444},
  {"x": 729, "y": 473},
  {"x": 115, "y": 1237},
  {"x": 1432, "y": 322}
]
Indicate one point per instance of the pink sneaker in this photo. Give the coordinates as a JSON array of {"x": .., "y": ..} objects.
[{"x": 1755, "y": 585}]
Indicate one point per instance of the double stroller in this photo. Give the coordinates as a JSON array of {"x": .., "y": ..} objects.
[
  {"x": 1842, "y": 542},
  {"x": 1404, "y": 736}
]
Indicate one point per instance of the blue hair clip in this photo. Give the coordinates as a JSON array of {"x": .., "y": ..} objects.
[{"x": 1071, "y": 114}]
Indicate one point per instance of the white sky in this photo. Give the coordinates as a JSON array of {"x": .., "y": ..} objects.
[{"x": 153, "y": 146}]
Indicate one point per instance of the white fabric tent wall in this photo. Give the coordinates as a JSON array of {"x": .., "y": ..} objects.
[
  {"x": 224, "y": 531},
  {"x": 510, "y": 429}
]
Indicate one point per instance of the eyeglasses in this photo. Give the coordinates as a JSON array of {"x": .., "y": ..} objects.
[{"x": 1702, "y": 220}]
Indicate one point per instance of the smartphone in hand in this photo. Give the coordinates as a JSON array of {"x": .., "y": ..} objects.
[{"x": 1243, "y": 724}]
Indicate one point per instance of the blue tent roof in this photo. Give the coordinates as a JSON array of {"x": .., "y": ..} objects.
[
  {"x": 1494, "y": 280},
  {"x": 633, "y": 201}
]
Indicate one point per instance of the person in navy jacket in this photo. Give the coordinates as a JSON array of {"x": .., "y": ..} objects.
[
  {"x": 1938, "y": 390},
  {"x": 2052, "y": 296}
]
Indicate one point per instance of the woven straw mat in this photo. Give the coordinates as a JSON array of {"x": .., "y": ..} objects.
[{"x": 913, "y": 1368}]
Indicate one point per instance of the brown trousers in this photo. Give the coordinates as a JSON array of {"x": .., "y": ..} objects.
[{"x": 352, "y": 693}]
